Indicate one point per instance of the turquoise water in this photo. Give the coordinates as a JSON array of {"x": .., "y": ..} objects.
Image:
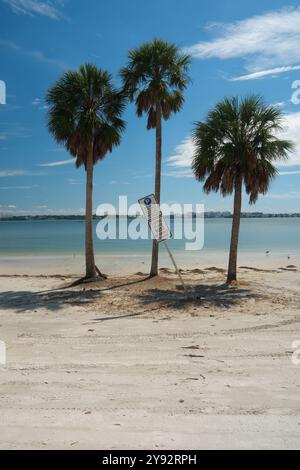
[{"x": 52, "y": 237}]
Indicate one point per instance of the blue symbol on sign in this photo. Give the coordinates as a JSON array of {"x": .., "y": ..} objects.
[{"x": 147, "y": 201}]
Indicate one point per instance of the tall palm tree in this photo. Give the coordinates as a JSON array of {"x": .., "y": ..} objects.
[
  {"x": 237, "y": 144},
  {"x": 155, "y": 78},
  {"x": 84, "y": 115}
]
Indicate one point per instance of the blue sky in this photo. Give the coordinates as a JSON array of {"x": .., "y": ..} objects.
[{"x": 237, "y": 48}]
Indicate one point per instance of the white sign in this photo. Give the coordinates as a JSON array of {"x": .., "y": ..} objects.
[{"x": 153, "y": 214}]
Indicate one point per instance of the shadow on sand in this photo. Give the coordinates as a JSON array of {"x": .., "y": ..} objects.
[
  {"x": 53, "y": 300},
  {"x": 60, "y": 297},
  {"x": 147, "y": 300},
  {"x": 215, "y": 295}
]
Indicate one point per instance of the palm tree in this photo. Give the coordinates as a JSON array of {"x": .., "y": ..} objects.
[
  {"x": 238, "y": 144},
  {"x": 155, "y": 78},
  {"x": 85, "y": 116}
]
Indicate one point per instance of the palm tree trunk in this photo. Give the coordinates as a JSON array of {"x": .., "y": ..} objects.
[
  {"x": 232, "y": 264},
  {"x": 155, "y": 245},
  {"x": 89, "y": 246}
]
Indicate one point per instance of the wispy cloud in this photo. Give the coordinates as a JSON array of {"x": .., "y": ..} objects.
[
  {"x": 289, "y": 195},
  {"x": 35, "y": 7},
  {"x": 268, "y": 43},
  {"x": 119, "y": 182},
  {"x": 279, "y": 104},
  {"x": 18, "y": 172},
  {"x": 291, "y": 132},
  {"x": 38, "y": 103},
  {"x": 179, "y": 164},
  {"x": 38, "y": 56},
  {"x": 179, "y": 173},
  {"x": 60, "y": 163},
  {"x": 5, "y": 173},
  {"x": 13, "y": 129},
  {"x": 73, "y": 181},
  {"x": 292, "y": 172},
  {"x": 181, "y": 160},
  {"x": 18, "y": 187},
  {"x": 183, "y": 154},
  {"x": 265, "y": 73},
  {"x": 57, "y": 149}
]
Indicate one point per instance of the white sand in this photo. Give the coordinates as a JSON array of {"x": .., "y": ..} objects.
[
  {"x": 141, "y": 366},
  {"x": 124, "y": 263}
]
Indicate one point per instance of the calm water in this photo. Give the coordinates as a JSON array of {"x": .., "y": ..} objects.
[{"x": 280, "y": 235}]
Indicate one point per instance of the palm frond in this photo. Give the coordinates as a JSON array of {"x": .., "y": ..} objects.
[
  {"x": 85, "y": 105},
  {"x": 156, "y": 75},
  {"x": 239, "y": 138}
]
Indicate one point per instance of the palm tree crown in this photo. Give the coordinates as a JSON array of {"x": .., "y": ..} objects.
[
  {"x": 156, "y": 73},
  {"x": 84, "y": 106},
  {"x": 239, "y": 139}
]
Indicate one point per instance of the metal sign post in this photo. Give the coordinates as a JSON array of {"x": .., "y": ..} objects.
[
  {"x": 158, "y": 227},
  {"x": 175, "y": 265}
]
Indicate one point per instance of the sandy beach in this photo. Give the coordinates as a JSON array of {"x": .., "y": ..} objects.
[{"x": 133, "y": 363}]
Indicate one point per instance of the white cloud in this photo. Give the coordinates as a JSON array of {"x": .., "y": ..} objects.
[
  {"x": 292, "y": 172},
  {"x": 19, "y": 172},
  {"x": 13, "y": 129},
  {"x": 60, "y": 163},
  {"x": 289, "y": 195},
  {"x": 265, "y": 73},
  {"x": 179, "y": 173},
  {"x": 268, "y": 43},
  {"x": 183, "y": 154},
  {"x": 291, "y": 132},
  {"x": 180, "y": 162},
  {"x": 73, "y": 181},
  {"x": 38, "y": 56},
  {"x": 35, "y": 7},
  {"x": 38, "y": 103},
  {"x": 119, "y": 182},
  {"x": 18, "y": 187},
  {"x": 279, "y": 104},
  {"x": 5, "y": 173}
]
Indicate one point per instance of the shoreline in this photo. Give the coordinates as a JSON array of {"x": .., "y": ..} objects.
[{"x": 130, "y": 263}]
